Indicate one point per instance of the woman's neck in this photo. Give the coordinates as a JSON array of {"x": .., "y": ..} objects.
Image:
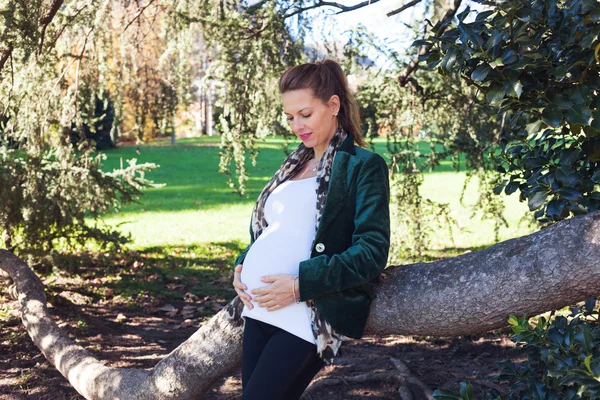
[{"x": 318, "y": 154}]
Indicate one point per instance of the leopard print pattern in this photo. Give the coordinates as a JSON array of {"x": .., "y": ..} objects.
[{"x": 328, "y": 341}]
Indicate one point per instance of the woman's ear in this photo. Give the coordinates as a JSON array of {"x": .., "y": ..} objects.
[{"x": 334, "y": 104}]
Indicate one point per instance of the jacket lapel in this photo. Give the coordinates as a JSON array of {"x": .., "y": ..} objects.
[{"x": 337, "y": 192}]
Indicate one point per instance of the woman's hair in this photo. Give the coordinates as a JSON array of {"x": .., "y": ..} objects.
[{"x": 326, "y": 78}]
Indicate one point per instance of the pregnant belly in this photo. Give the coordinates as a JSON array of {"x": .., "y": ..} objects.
[{"x": 264, "y": 260}]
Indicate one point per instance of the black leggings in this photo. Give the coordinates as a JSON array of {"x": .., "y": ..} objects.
[{"x": 276, "y": 365}]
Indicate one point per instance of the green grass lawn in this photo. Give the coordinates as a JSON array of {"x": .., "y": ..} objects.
[
  {"x": 186, "y": 235},
  {"x": 196, "y": 206}
]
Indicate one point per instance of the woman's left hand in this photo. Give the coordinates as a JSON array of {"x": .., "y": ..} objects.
[{"x": 276, "y": 295}]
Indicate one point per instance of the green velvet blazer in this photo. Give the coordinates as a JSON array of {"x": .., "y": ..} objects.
[{"x": 351, "y": 243}]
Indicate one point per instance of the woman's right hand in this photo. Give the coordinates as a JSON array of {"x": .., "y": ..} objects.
[{"x": 240, "y": 287}]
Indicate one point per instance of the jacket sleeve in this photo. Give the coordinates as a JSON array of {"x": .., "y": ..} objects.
[
  {"x": 242, "y": 256},
  {"x": 366, "y": 258}
]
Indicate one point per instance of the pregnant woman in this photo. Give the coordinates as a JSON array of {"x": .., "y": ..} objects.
[{"x": 319, "y": 233}]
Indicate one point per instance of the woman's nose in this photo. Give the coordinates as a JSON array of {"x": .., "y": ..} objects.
[{"x": 297, "y": 126}]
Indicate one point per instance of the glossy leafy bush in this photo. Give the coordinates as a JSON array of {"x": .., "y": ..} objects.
[
  {"x": 538, "y": 63},
  {"x": 563, "y": 359}
]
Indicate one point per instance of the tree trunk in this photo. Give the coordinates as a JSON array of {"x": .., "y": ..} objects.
[
  {"x": 173, "y": 136},
  {"x": 208, "y": 112},
  {"x": 471, "y": 293}
]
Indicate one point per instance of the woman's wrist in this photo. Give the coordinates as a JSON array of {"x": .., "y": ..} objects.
[{"x": 296, "y": 290}]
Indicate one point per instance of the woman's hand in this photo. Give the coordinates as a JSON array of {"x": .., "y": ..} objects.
[
  {"x": 240, "y": 287},
  {"x": 278, "y": 294}
]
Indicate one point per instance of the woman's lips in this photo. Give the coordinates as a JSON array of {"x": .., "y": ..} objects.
[{"x": 305, "y": 136}]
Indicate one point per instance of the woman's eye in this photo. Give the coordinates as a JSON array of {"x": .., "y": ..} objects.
[{"x": 303, "y": 116}]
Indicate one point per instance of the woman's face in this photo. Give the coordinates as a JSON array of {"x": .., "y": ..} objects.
[{"x": 310, "y": 119}]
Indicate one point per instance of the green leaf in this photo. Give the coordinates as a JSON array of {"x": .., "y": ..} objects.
[
  {"x": 513, "y": 85},
  {"x": 466, "y": 391},
  {"x": 449, "y": 60},
  {"x": 579, "y": 115},
  {"x": 533, "y": 127},
  {"x": 533, "y": 54},
  {"x": 498, "y": 189},
  {"x": 590, "y": 304},
  {"x": 570, "y": 193},
  {"x": 511, "y": 187},
  {"x": 441, "y": 394},
  {"x": 555, "y": 208},
  {"x": 552, "y": 116},
  {"x": 481, "y": 72},
  {"x": 495, "y": 95},
  {"x": 494, "y": 40},
  {"x": 518, "y": 88},
  {"x": 586, "y": 362},
  {"x": 535, "y": 162},
  {"x": 569, "y": 156},
  {"x": 497, "y": 62},
  {"x": 567, "y": 177},
  {"x": 536, "y": 200},
  {"x": 580, "y": 95},
  {"x": 421, "y": 42},
  {"x": 462, "y": 15},
  {"x": 537, "y": 391},
  {"x": 509, "y": 57},
  {"x": 483, "y": 15},
  {"x": 596, "y": 176},
  {"x": 585, "y": 338},
  {"x": 591, "y": 132},
  {"x": 596, "y": 122},
  {"x": 561, "y": 102}
]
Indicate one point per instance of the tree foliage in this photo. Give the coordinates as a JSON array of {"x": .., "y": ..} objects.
[
  {"x": 445, "y": 115},
  {"x": 53, "y": 73},
  {"x": 537, "y": 61},
  {"x": 253, "y": 47}
]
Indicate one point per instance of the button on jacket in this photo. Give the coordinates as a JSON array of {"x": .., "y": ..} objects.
[{"x": 351, "y": 243}]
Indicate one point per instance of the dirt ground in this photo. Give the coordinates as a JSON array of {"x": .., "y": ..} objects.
[{"x": 140, "y": 336}]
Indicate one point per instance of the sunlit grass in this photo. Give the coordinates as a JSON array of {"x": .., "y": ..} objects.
[{"x": 196, "y": 206}]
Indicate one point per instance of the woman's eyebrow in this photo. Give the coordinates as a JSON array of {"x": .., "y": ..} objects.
[{"x": 285, "y": 112}]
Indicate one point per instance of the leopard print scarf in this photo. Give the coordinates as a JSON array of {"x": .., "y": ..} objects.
[{"x": 328, "y": 341}]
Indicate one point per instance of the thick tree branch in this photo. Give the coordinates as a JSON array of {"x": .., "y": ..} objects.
[
  {"x": 404, "y": 7},
  {"x": 339, "y": 6},
  {"x": 138, "y": 15},
  {"x": 47, "y": 19},
  {"x": 414, "y": 64},
  {"x": 478, "y": 291},
  {"x": 471, "y": 293},
  {"x": 4, "y": 56}
]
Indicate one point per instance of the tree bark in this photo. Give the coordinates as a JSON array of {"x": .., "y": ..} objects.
[{"x": 471, "y": 293}]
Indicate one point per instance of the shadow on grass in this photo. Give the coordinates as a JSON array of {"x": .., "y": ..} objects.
[{"x": 148, "y": 276}]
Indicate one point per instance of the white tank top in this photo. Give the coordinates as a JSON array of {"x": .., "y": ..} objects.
[{"x": 290, "y": 211}]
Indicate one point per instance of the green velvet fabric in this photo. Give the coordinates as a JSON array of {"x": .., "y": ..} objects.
[{"x": 354, "y": 238}]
